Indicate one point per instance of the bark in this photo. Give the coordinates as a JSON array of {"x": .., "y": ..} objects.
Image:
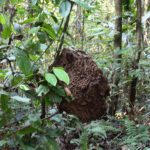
[
  {"x": 148, "y": 5},
  {"x": 147, "y": 35},
  {"x": 117, "y": 57},
  {"x": 79, "y": 26},
  {"x": 139, "y": 37},
  {"x": 118, "y": 24}
]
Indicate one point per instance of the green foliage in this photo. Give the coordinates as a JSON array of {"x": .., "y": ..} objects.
[
  {"x": 136, "y": 135},
  {"x": 30, "y": 34},
  {"x": 65, "y": 8},
  {"x": 84, "y": 140},
  {"x": 51, "y": 79},
  {"x": 23, "y": 62},
  {"x": 61, "y": 75},
  {"x": 83, "y": 4}
]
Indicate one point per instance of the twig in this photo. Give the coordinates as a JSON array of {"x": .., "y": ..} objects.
[{"x": 64, "y": 31}]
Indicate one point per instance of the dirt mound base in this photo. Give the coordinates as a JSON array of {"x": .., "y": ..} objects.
[{"x": 88, "y": 86}]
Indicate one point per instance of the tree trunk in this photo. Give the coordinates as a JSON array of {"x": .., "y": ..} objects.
[
  {"x": 139, "y": 37},
  {"x": 147, "y": 31},
  {"x": 117, "y": 46},
  {"x": 148, "y": 5}
]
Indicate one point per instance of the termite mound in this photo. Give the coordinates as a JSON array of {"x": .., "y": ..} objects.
[{"x": 88, "y": 86}]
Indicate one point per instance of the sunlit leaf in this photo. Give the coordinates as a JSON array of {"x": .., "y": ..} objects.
[
  {"x": 82, "y": 4},
  {"x": 2, "y": 19},
  {"x": 61, "y": 75},
  {"x": 34, "y": 2},
  {"x": 50, "y": 31},
  {"x": 51, "y": 79},
  {"x": 65, "y": 8},
  {"x": 29, "y": 20},
  {"x": 24, "y": 87},
  {"x": 21, "y": 99},
  {"x": 34, "y": 30},
  {"x": 6, "y": 31},
  {"x": 2, "y": 143}
]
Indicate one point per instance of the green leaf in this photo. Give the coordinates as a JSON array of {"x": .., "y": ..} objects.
[
  {"x": 2, "y": 143},
  {"x": 55, "y": 98},
  {"x": 65, "y": 8},
  {"x": 61, "y": 75},
  {"x": 2, "y": 75},
  {"x": 42, "y": 36},
  {"x": 6, "y": 31},
  {"x": 27, "y": 130},
  {"x": 24, "y": 87},
  {"x": 2, "y": 19},
  {"x": 43, "y": 47},
  {"x": 50, "y": 78},
  {"x": 53, "y": 144},
  {"x": 84, "y": 140},
  {"x": 82, "y": 4},
  {"x": 42, "y": 90},
  {"x": 34, "y": 57},
  {"x": 2, "y": 2},
  {"x": 21, "y": 99},
  {"x": 16, "y": 80},
  {"x": 34, "y": 2},
  {"x": 59, "y": 91},
  {"x": 49, "y": 30},
  {"x": 34, "y": 30},
  {"x": 14, "y": 1},
  {"x": 23, "y": 62},
  {"x": 4, "y": 98},
  {"x": 29, "y": 20},
  {"x": 99, "y": 131}
]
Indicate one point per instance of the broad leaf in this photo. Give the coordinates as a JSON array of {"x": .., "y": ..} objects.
[
  {"x": 24, "y": 87},
  {"x": 55, "y": 98},
  {"x": 42, "y": 90},
  {"x": 2, "y": 143},
  {"x": 82, "y": 4},
  {"x": 65, "y": 8},
  {"x": 50, "y": 78},
  {"x": 34, "y": 30},
  {"x": 34, "y": 2},
  {"x": 23, "y": 62},
  {"x": 6, "y": 31},
  {"x": 4, "y": 98},
  {"x": 2, "y": 19},
  {"x": 29, "y": 20},
  {"x": 61, "y": 75},
  {"x": 49, "y": 30},
  {"x": 21, "y": 99},
  {"x": 27, "y": 130}
]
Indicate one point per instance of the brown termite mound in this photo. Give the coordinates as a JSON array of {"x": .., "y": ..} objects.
[{"x": 88, "y": 86}]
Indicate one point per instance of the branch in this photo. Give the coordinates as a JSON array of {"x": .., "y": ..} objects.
[{"x": 64, "y": 31}]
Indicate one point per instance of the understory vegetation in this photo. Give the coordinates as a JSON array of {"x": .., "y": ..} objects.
[{"x": 116, "y": 34}]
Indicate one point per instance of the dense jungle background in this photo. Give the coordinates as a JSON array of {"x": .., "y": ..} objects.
[{"x": 75, "y": 74}]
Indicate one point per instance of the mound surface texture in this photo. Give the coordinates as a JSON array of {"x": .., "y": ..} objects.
[{"x": 88, "y": 86}]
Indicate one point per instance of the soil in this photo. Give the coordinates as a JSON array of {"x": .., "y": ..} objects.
[{"x": 88, "y": 86}]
